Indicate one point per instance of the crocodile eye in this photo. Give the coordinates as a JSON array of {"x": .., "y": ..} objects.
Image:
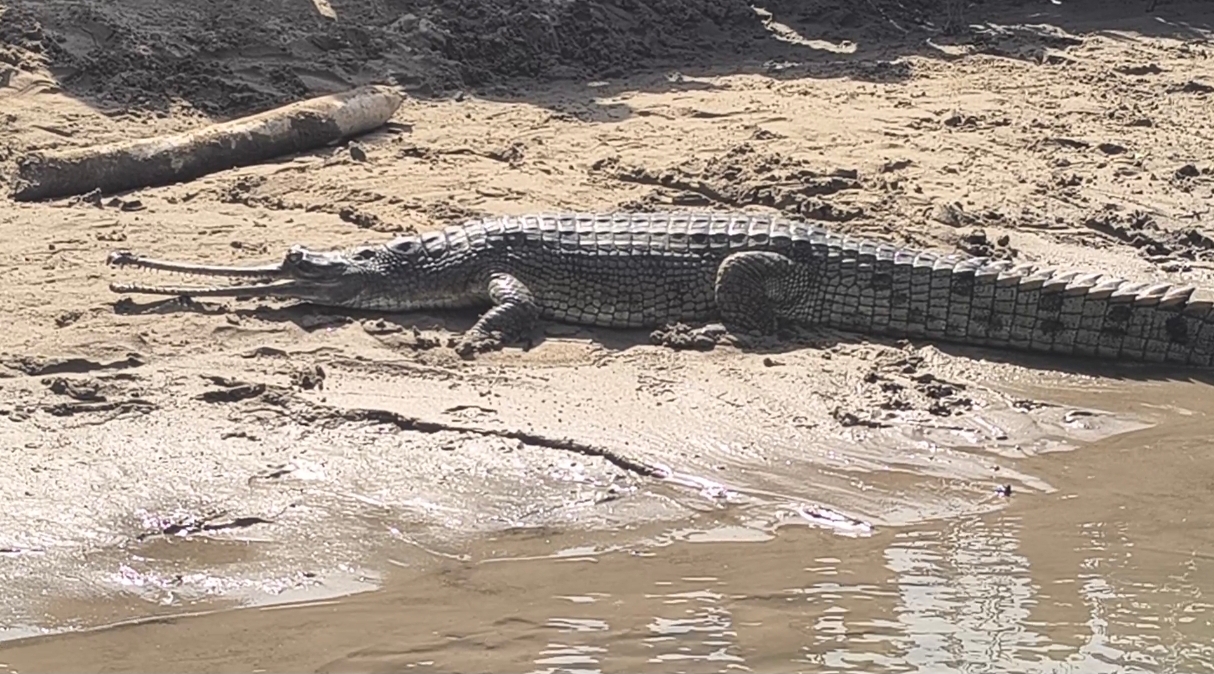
[
  {"x": 294, "y": 257},
  {"x": 364, "y": 254}
]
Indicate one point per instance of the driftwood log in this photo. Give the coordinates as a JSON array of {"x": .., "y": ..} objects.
[{"x": 162, "y": 160}]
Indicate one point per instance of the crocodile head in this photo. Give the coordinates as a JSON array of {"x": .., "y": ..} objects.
[{"x": 399, "y": 276}]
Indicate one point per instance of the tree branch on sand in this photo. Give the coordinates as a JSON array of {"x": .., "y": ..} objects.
[{"x": 162, "y": 160}]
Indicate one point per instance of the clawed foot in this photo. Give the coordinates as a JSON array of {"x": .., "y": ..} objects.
[{"x": 474, "y": 342}]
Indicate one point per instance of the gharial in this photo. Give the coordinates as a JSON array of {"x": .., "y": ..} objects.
[{"x": 752, "y": 273}]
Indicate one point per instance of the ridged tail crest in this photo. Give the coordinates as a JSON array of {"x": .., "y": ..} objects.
[{"x": 996, "y": 303}]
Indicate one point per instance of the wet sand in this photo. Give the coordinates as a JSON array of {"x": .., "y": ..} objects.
[{"x": 169, "y": 458}]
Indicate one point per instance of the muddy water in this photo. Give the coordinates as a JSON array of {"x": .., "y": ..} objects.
[{"x": 1112, "y": 570}]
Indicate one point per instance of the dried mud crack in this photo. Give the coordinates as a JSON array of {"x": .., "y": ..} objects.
[
  {"x": 310, "y": 412},
  {"x": 187, "y": 524},
  {"x": 37, "y": 366}
]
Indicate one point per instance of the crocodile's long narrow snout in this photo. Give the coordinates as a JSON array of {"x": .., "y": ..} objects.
[{"x": 270, "y": 279}]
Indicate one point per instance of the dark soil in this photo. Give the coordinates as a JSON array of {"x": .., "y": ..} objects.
[{"x": 225, "y": 57}]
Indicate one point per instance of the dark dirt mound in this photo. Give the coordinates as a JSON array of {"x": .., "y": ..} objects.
[
  {"x": 511, "y": 38},
  {"x": 21, "y": 38},
  {"x": 225, "y": 57}
]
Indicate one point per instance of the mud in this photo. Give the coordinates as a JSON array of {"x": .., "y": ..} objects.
[
  {"x": 193, "y": 455},
  {"x": 1069, "y": 572}
]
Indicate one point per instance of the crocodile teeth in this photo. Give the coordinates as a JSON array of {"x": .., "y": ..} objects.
[
  {"x": 269, "y": 287},
  {"x": 126, "y": 258}
]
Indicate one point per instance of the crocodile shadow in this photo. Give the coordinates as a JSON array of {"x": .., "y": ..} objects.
[{"x": 311, "y": 317}]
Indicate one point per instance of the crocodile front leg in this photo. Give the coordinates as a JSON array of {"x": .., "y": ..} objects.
[{"x": 512, "y": 316}]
